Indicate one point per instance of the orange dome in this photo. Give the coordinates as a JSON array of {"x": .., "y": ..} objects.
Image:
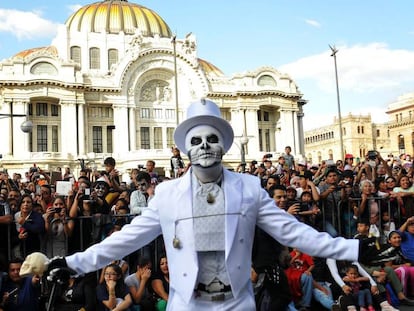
[{"x": 114, "y": 16}]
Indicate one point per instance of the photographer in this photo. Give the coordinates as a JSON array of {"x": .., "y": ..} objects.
[
  {"x": 57, "y": 227},
  {"x": 332, "y": 192}
]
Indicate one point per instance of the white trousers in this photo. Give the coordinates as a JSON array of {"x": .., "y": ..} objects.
[{"x": 245, "y": 302}]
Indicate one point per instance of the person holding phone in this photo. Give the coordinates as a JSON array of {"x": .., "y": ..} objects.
[{"x": 57, "y": 227}]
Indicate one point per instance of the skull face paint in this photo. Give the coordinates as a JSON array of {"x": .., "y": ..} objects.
[{"x": 205, "y": 146}]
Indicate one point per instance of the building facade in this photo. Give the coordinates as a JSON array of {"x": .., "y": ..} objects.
[
  {"x": 116, "y": 82},
  {"x": 396, "y": 136},
  {"x": 401, "y": 125}
]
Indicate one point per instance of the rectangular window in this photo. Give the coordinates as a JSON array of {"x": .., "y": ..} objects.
[
  {"x": 259, "y": 115},
  {"x": 266, "y": 116},
  {"x": 267, "y": 140},
  {"x": 170, "y": 137},
  {"x": 54, "y": 110},
  {"x": 41, "y": 109},
  {"x": 378, "y": 133},
  {"x": 30, "y": 109},
  {"x": 75, "y": 54},
  {"x": 260, "y": 140},
  {"x": 41, "y": 138},
  {"x": 97, "y": 139},
  {"x": 170, "y": 114},
  {"x": 145, "y": 113},
  {"x": 145, "y": 138},
  {"x": 112, "y": 57},
  {"x": 55, "y": 138},
  {"x": 158, "y": 114},
  {"x": 157, "y": 138},
  {"x": 109, "y": 147},
  {"x": 94, "y": 58}
]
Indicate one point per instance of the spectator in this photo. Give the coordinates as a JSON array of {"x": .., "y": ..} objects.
[
  {"x": 79, "y": 294},
  {"x": 112, "y": 177},
  {"x": 337, "y": 269},
  {"x": 138, "y": 286},
  {"x": 405, "y": 196},
  {"x": 300, "y": 279},
  {"x": 269, "y": 259},
  {"x": 349, "y": 162},
  {"x": 113, "y": 294},
  {"x": 407, "y": 234},
  {"x": 289, "y": 159},
  {"x": 30, "y": 227},
  {"x": 400, "y": 263},
  {"x": 332, "y": 193},
  {"x": 6, "y": 227},
  {"x": 58, "y": 228},
  {"x": 150, "y": 168},
  {"x": 360, "y": 291},
  {"x": 306, "y": 184},
  {"x": 272, "y": 181},
  {"x": 160, "y": 284},
  {"x": 177, "y": 163},
  {"x": 20, "y": 293},
  {"x": 143, "y": 193}
]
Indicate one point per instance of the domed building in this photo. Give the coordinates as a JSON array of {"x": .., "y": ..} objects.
[{"x": 116, "y": 82}]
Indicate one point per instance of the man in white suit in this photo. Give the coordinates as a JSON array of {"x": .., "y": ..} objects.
[{"x": 208, "y": 219}]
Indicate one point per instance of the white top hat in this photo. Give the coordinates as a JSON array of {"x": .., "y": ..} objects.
[{"x": 203, "y": 112}]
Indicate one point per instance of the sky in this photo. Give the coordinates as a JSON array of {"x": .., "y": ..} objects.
[{"x": 374, "y": 39}]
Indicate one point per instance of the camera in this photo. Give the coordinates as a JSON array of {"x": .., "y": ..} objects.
[
  {"x": 372, "y": 155},
  {"x": 268, "y": 155},
  {"x": 56, "y": 210},
  {"x": 304, "y": 207},
  {"x": 338, "y": 188},
  {"x": 140, "y": 166},
  {"x": 280, "y": 175}
]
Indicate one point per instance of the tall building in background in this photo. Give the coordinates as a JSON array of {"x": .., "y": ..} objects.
[{"x": 116, "y": 81}]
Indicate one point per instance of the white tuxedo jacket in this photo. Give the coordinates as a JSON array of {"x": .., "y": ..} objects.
[{"x": 246, "y": 204}]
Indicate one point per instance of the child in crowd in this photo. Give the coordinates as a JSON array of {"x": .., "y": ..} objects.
[
  {"x": 362, "y": 229},
  {"x": 113, "y": 294},
  {"x": 360, "y": 290}
]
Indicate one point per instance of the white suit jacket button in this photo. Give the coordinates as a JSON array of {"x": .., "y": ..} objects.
[
  {"x": 241, "y": 240},
  {"x": 184, "y": 274}
]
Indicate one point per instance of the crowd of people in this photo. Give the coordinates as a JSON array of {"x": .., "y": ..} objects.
[{"x": 373, "y": 197}]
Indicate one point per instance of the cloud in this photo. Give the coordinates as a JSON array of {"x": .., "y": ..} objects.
[
  {"x": 370, "y": 77},
  {"x": 313, "y": 23},
  {"x": 361, "y": 68},
  {"x": 26, "y": 25}
]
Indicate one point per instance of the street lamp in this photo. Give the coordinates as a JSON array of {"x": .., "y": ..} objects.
[
  {"x": 26, "y": 126},
  {"x": 174, "y": 42},
  {"x": 334, "y": 51}
]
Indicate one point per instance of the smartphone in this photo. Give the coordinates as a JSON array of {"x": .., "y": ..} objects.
[
  {"x": 87, "y": 194},
  {"x": 37, "y": 189}
]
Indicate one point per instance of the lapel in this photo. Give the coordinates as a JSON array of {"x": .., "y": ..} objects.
[
  {"x": 233, "y": 198},
  {"x": 184, "y": 210}
]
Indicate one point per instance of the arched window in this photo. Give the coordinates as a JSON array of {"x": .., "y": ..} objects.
[
  {"x": 75, "y": 54},
  {"x": 94, "y": 58},
  {"x": 112, "y": 57},
  {"x": 401, "y": 144},
  {"x": 266, "y": 80}
]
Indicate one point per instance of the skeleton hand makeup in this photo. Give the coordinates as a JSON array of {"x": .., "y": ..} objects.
[{"x": 205, "y": 150}]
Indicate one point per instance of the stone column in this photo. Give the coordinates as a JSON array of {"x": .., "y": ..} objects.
[
  {"x": 252, "y": 126},
  {"x": 287, "y": 129},
  {"x": 132, "y": 129},
  {"x": 81, "y": 129},
  {"x": 120, "y": 133},
  {"x": 68, "y": 140},
  {"x": 20, "y": 139}
]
